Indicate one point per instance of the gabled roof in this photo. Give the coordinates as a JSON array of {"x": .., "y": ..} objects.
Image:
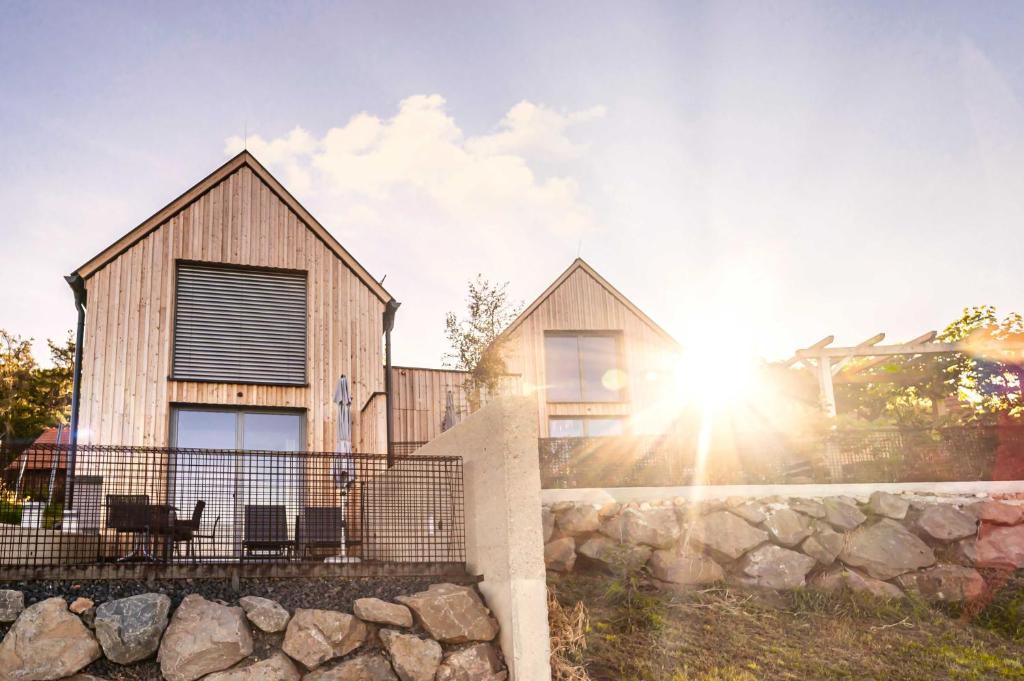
[
  {"x": 246, "y": 159},
  {"x": 580, "y": 264}
]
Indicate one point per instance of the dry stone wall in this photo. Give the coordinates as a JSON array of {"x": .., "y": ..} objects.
[
  {"x": 444, "y": 633},
  {"x": 889, "y": 545}
]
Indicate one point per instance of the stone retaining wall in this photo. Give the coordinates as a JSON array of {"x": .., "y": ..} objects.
[
  {"x": 885, "y": 544},
  {"x": 443, "y": 632}
]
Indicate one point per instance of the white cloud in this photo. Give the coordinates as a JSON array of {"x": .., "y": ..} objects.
[{"x": 417, "y": 198}]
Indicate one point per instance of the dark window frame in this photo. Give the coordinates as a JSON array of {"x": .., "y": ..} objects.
[{"x": 616, "y": 335}]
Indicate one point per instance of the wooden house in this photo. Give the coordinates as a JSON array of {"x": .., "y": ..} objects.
[
  {"x": 596, "y": 363},
  {"x": 226, "y": 320}
]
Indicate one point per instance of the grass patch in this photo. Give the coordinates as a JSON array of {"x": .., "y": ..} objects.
[{"x": 724, "y": 634}]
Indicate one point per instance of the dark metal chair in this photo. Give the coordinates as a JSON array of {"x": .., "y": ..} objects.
[
  {"x": 187, "y": 531},
  {"x": 266, "y": 532},
  {"x": 320, "y": 527}
]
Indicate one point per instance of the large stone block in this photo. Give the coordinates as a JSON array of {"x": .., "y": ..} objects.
[
  {"x": 726, "y": 534},
  {"x": 270, "y": 616},
  {"x": 413, "y": 658},
  {"x": 886, "y": 550},
  {"x": 946, "y": 523},
  {"x": 452, "y": 614},
  {"x": 315, "y": 636},
  {"x": 773, "y": 567},
  {"x": 1001, "y": 547},
  {"x": 685, "y": 567},
  {"x": 950, "y": 583},
  {"x": 560, "y": 554},
  {"x": 381, "y": 612},
  {"x": 275, "y": 668},
  {"x": 46, "y": 642},
  {"x": 129, "y": 629},
  {"x": 888, "y": 505},
  {"x": 474, "y": 663},
  {"x": 787, "y": 527},
  {"x": 369, "y": 667},
  {"x": 203, "y": 637}
]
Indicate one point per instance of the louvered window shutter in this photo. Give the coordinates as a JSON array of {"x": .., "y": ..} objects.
[{"x": 234, "y": 325}]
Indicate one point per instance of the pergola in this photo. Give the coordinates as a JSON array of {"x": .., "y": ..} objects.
[{"x": 836, "y": 364}]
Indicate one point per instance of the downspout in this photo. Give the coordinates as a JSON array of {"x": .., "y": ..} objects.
[
  {"x": 389, "y": 323},
  {"x": 77, "y": 285}
]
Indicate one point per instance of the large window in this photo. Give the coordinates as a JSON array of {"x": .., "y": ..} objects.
[
  {"x": 235, "y": 325},
  {"x": 582, "y": 367},
  {"x": 227, "y": 482},
  {"x": 585, "y": 426}
]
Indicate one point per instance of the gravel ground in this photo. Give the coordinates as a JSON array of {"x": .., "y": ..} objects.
[{"x": 292, "y": 593}]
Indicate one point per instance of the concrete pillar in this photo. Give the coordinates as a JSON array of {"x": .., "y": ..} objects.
[{"x": 504, "y": 538}]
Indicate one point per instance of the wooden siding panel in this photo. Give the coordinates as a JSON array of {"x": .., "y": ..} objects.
[
  {"x": 581, "y": 303},
  {"x": 126, "y": 394}
]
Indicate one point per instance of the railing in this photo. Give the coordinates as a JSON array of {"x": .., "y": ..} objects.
[
  {"x": 103, "y": 504},
  {"x": 849, "y": 455}
]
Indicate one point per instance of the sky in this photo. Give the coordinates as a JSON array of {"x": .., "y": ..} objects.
[{"x": 754, "y": 176}]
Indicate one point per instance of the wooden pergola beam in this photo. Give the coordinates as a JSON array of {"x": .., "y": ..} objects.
[{"x": 870, "y": 364}]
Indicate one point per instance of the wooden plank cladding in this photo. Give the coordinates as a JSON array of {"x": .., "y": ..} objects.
[
  {"x": 240, "y": 217},
  {"x": 581, "y": 300}
]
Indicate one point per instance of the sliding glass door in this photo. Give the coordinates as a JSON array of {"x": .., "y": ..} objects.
[{"x": 229, "y": 481}]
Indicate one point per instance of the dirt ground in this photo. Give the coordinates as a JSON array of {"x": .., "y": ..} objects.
[{"x": 636, "y": 632}]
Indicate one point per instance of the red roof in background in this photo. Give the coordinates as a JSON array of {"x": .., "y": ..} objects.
[{"x": 42, "y": 459}]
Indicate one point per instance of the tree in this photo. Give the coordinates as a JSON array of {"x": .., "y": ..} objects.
[
  {"x": 32, "y": 398},
  {"x": 476, "y": 345}
]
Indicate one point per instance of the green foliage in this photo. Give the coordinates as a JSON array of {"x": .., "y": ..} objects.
[
  {"x": 10, "y": 506},
  {"x": 475, "y": 341},
  {"x": 946, "y": 389},
  {"x": 634, "y": 602},
  {"x": 32, "y": 397}
]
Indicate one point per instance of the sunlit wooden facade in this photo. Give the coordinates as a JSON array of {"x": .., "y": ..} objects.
[
  {"x": 237, "y": 216},
  {"x": 636, "y": 373}
]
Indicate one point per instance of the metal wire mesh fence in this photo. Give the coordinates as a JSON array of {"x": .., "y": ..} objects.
[
  {"x": 103, "y": 504},
  {"x": 851, "y": 455}
]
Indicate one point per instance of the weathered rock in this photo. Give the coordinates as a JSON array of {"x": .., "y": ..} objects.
[
  {"x": 452, "y": 614},
  {"x": 474, "y": 663},
  {"x": 787, "y": 527},
  {"x": 946, "y": 523},
  {"x": 80, "y": 605},
  {"x": 950, "y": 583},
  {"x": 888, "y": 505},
  {"x": 203, "y": 637},
  {"x": 811, "y": 507},
  {"x": 275, "y": 668},
  {"x": 560, "y": 554},
  {"x": 11, "y": 604},
  {"x": 369, "y": 667},
  {"x": 579, "y": 519},
  {"x": 655, "y": 527},
  {"x": 885, "y": 550},
  {"x": 129, "y": 629},
  {"x": 1001, "y": 547},
  {"x": 774, "y": 567},
  {"x": 84, "y": 677},
  {"x": 266, "y": 614},
  {"x": 996, "y": 512},
  {"x": 751, "y": 511},
  {"x": 851, "y": 580},
  {"x": 841, "y": 514},
  {"x": 824, "y": 545},
  {"x": 382, "y": 612},
  {"x": 615, "y": 557},
  {"x": 414, "y": 658},
  {"x": 966, "y": 551},
  {"x": 46, "y": 642},
  {"x": 685, "y": 567},
  {"x": 315, "y": 636},
  {"x": 547, "y": 523},
  {"x": 726, "y": 534}
]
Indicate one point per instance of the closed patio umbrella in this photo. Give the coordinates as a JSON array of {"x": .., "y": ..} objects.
[
  {"x": 344, "y": 467},
  {"x": 450, "y": 416}
]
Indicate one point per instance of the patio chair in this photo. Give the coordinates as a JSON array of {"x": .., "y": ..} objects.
[
  {"x": 266, "y": 532},
  {"x": 320, "y": 527},
  {"x": 187, "y": 531}
]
